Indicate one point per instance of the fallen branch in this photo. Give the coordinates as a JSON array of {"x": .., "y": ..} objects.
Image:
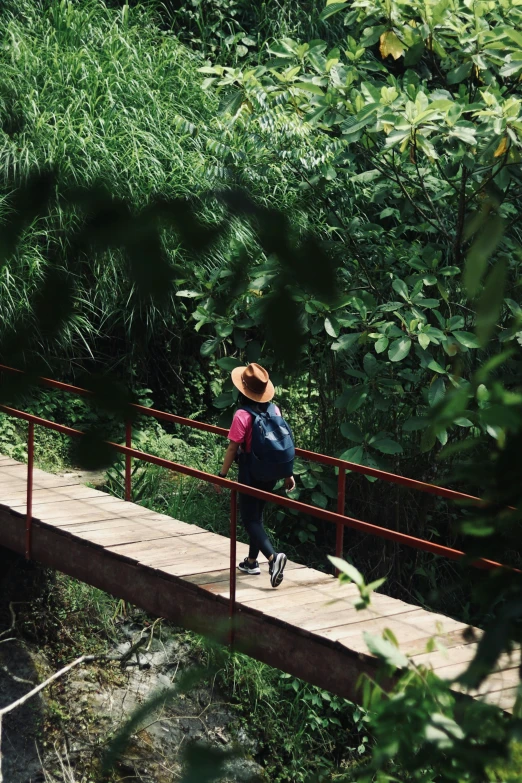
[{"x": 30, "y": 694}]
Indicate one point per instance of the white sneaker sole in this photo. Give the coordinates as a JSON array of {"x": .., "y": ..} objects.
[{"x": 277, "y": 572}]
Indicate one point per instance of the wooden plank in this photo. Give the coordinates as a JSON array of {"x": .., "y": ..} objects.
[
  {"x": 320, "y": 615},
  {"x": 38, "y": 480},
  {"x": 170, "y": 552},
  {"x": 205, "y": 540},
  {"x": 68, "y": 522},
  {"x": 303, "y": 602},
  {"x": 496, "y": 681},
  {"x": 127, "y": 535},
  {"x": 217, "y": 581},
  {"x": 146, "y": 523},
  {"x": 437, "y": 659},
  {"x": 52, "y": 513},
  {"x": 134, "y": 534},
  {"x": 67, "y": 492},
  {"x": 41, "y": 495},
  {"x": 254, "y": 587},
  {"x": 408, "y": 627}
]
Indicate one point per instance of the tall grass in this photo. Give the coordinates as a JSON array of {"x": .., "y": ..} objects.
[
  {"x": 108, "y": 95},
  {"x": 98, "y": 93}
]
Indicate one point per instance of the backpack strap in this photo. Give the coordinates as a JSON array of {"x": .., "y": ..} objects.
[
  {"x": 271, "y": 410},
  {"x": 248, "y": 410}
]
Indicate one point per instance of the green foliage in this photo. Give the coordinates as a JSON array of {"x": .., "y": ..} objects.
[
  {"x": 414, "y": 168},
  {"x": 305, "y": 733}
]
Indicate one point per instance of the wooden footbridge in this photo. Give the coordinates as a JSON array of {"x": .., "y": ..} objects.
[{"x": 307, "y": 627}]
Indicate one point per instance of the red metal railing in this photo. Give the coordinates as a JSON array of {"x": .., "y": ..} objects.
[
  {"x": 341, "y": 465},
  {"x": 338, "y": 517}
]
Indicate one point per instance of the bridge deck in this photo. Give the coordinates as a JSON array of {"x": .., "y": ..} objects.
[{"x": 307, "y": 627}]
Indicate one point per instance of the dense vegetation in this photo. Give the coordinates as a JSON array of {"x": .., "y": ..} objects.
[{"x": 382, "y": 139}]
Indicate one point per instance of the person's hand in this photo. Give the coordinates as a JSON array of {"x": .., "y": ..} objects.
[
  {"x": 217, "y": 489},
  {"x": 289, "y": 484}
]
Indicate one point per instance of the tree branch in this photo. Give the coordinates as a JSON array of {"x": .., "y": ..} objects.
[{"x": 30, "y": 694}]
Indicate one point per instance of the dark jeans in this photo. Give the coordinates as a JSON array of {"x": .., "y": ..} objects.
[{"x": 251, "y": 510}]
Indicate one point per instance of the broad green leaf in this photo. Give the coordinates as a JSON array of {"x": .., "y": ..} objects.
[
  {"x": 355, "y": 398},
  {"x": 415, "y": 423},
  {"x": 370, "y": 364},
  {"x": 332, "y": 9},
  {"x": 515, "y": 35},
  {"x": 308, "y": 87},
  {"x": 224, "y": 330},
  {"x": 465, "y": 134},
  {"x": 210, "y": 346},
  {"x": 436, "y": 391},
  {"x": 231, "y": 104},
  {"x": 385, "y": 650},
  {"x": 229, "y": 363},
  {"x": 399, "y": 349},
  {"x": 387, "y": 446},
  {"x": 436, "y": 367},
  {"x": 352, "y": 432},
  {"x": 458, "y": 75},
  {"x": 355, "y": 454},
  {"x": 401, "y": 288},
  {"x": 309, "y": 481},
  {"x": 224, "y": 400},
  {"x": 467, "y": 339},
  {"x": 348, "y": 569},
  {"x": 331, "y": 326},
  {"x": 345, "y": 341},
  {"x": 511, "y": 68},
  {"x": 381, "y": 344},
  {"x": 421, "y": 302},
  {"x": 424, "y": 340},
  {"x": 319, "y": 499}
]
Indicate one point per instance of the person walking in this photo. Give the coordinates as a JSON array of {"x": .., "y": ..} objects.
[{"x": 262, "y": 442}]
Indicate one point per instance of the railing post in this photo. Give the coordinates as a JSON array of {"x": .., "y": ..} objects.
[
  {"x": 341, "y": 490},
  {"x": 233, "y": 534},
  {"x": 29, "y": 503},
  {"x": 128, "y": 460}
]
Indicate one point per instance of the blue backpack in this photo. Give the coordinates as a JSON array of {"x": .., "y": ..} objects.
[{"x": 272, "y": 453}]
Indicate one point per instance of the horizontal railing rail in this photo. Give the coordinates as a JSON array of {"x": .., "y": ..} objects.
[{"x": 342, "y": 466}]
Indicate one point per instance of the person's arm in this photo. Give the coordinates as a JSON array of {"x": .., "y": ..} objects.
[{"x": 230, "y": 455}]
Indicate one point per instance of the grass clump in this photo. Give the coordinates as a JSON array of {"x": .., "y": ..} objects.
[{"x": 98, "y": 94}]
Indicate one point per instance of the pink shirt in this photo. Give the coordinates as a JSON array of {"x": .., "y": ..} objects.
[{"x": 241, "y": 429}]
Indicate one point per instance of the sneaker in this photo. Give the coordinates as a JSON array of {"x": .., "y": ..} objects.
[
  {"x": 249, "y": 568},
  {"x": 276, "y": 568}
]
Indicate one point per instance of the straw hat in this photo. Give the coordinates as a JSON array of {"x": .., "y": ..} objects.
[{"x": 254, "y": 382}]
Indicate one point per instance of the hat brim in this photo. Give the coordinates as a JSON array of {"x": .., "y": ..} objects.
[{"x": 266, "y": 396}]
